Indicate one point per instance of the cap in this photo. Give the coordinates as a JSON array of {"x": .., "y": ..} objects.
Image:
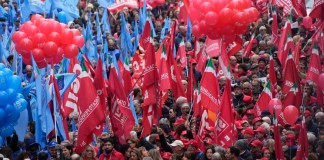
[
  {"x": 193, "y": 61},
  {"x": 296, "y": 127},
  {"x": 210, "y": 141},
  {"x": 248, "y": 131},
  {"x": 179, "y": 121},
  {"x": 52, "y": 144},
  {"x": 210, "y": 129},
  {"x": 184, "y": 132},
  {"x": 166, "y": 155},
  {"x": 261, "y": 130},
  {"x": 177, "y": 143},
  {"x": 307, "y": 113},
  {"x": 250, "y": 111},
  {"x": 256, "y": 143},
  {"x": 264, "y": 149},
  {"x": 247, "y": 99},
  {"x": 238, "y": 125},
  {"x": 257, "y": 119},
  {"x": 192, "y": 142}
]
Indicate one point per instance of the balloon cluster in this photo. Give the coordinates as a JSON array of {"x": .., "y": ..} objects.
[
  {"x": 220, "y": 18},
  {"x": 289, "y": 114},
  {"x": 48, "y": 41},
  {"x": 12, "y": 102}
]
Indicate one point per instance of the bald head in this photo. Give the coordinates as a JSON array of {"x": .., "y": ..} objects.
[{"x": 29, "y": 70}]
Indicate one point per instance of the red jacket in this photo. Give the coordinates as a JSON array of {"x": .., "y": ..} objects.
[{"x": 114, "y": 155}]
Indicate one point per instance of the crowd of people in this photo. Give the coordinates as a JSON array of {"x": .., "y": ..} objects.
[{"x": 174, "y": 137}]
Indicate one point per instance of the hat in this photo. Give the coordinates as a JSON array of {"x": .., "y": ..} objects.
[
  {"x": 264, "y": 149},
  {"x": 166, "y": 155},
  {"x": 193, "y": 61},
  {"x": 184, "y": 104},
  {"x": 290, "y": 140},
  {"x": 247, "y": 99},
  {"x": 238, "y": 125},
  {"x": 248, "y": 131},
  {"x": 296, "y": 126},
  {"x": 241, "y": 144},
  {"x": 179, "y": 121},
  {"x": 257, "y": 119},
  {"x": 52, "y": 144},
  {"x": 256, "y": 143},
  {"x": 250, "y": 111},
  {"x": 210, "y": 141},
  {"x": 261, "y": 130},
  {"x": 184, "y": 132},
  {"x": 192, "y": 142},
  {"x": 307, "y": 113},
  {"x": 210, "y": 129},
  {"x": 177, "y": 143}
]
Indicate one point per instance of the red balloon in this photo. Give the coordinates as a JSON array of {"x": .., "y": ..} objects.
[
  {"x": 76, "y": 32},
  {"x": 225, "y": 17},
  {"x": 56, "y": 26},
  {"x": 26, "y": 45},
  {"x": 39, "y": 40},
  {"x": 26, "y": 25},
  {"x": 275, "y": 104},
  {"x": 38, "y": 54},
  {"x": 27, "y": 60},
  {"x": 202, "y": 26},
  {"x": 307, "y": 22},
  {"x": 70, "y": 51},
  {"x": 196, "y": 31},
  {"x": 63, "y": 27},
  {"x": 50, "y": 49},
  {"x": 17, "y": 36},
  {"x": 55, "y": 37},
  {"x": 194, "y": 15},
  {"x": 211, "y": 17},
  {"x": 35, "y": 17},
  {"x": 31, "y": 31},
  {"x": 291, "y": 114},
  {"x": 255, "y": 13},
  {"x": 41, "y": 64},
  {"x": 46, "y": 28},
  {"x": 78, "y": 41},
  {"x": 59, "y": 56},
  {"x": 18, "y": 49},
  {"x": 67, "y": 36},
  {"x": 321, "y": 80},
  {"x": 238, "y": 4},
  {"x": 196, "y": 3},
  {"x": 39, "y": 21},
  {"x": 219, "y": 5},
  {"x": 206, "y": 7}
]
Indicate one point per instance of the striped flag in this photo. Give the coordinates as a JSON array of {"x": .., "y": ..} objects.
[{"x": 286, "y": 4}]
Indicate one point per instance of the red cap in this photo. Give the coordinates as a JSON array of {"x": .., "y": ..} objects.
[
  {"x": 210, "y": 141},
  {"x": 250, "y": 111},
  {"x": 264, "y": 149},
  {"x": 179, "y": 121},
  {"x": 193, "y": 143},
  {"x": 210, "y": 129},
  {"x": 171, "y": 5},
  {"x": 193, "y": 61},
  {"x": 238, "y": 125},
  {"x": 244, "y": 118},
  {"x": 247, "y": 99},
  {"x": 257, "y": 119},
  {"x": 166, "y": 155},
  {"x": 184, "y": 132},
  {"x": 248, "y": 131},
  {"x": 261, "y": 130},
  {"x": 307, "y": 113},
  {"x": 290, "y": 137},
  {"x": 290, "y": 140},
  {"x": 296, "y": 126},
  {"x": 256, "y": 143},
  {"x": 254, "y": 41}
]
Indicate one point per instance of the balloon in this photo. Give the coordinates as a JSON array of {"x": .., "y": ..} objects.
[
  {"x": 307, "y": 22},
  {"x": 26, "y": 45},
  {"x": 225, "y": 17},
  {"x": 46, "y": 27},
  {"x": 291, "y": 114},
  {"x": 14, "y": 82},
  {"x": 62, "y": 17},
  {"x": 211, "y": 17},
  {"x": 19, "y": 96},
  {"x": 321, "y": 79},
  {"x": 2, "y": 66},
  {"x": 38, "y": 54},
  {"x": 3, "y": 98},
  {"x": 76, "y": 32},
  {"x": 55, "y": 37},
  {"x": 3, "y": 80},
  {"x": 35, "y": 17},
  {"x": 238, "y": 4},
  {"x": 202, "y": 26},
  {"x": 275, "y": 104},
  {"x": 18, "y": 35},
  {"x": 50, "y": 49},
  {"x": 194, "y": 15},
  {"x": 13, "y": 116},
  {"x": 2, "y": 114},
  {"x": 20, "y": 104},
  {"x": 56, "y": 26},
  {"x": 255, "y": 13},
  {"x": 206, "y": 7},
  {"x": 196, "y": 31},
  {"x": 39, "y": 21},
  {"x": 39, "y": 40},
  {"x": 59, "y": 56},
  {"x": 42, "y": 64},
  {"x": 11, "y": 95},
  {"x": 6, "y": 130},
  {"x": 70, "y": 51},
  {"x": 27, "y": 60},
  {"x": 78, "y": 41},
  {"x": 218, "y": 4},
  {"x": 31, "y": 31},
  {"x": 8, "y": 72},
  {"x": 67, "y": 36},
  {"x": 196, "y": 3},
  {"x": 24, "y": 26}
]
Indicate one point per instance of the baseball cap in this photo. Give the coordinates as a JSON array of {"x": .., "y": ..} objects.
[
  {"x": 247, "y": 99},
  {"x": 166, "y": 155},
  {"x": 250, "y": 111},
  {"x": 210, "y": 128},
  {"x": 177, "y": 143},
  {"x": 261, "y": 130},
  {"x": 52, "y": 144},
  {"x": 179, "y": 121},
  {"x": 248, "y": 131},
  {"x": 307, "y": 113},
  {"x": 256, "y": 143},
  {"x": 238, "y": 125},
  {"x": 257, "y": 119}
]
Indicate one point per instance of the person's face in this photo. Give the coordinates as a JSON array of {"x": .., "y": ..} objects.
[
  {"x": 191, "y": 148},
  {"x": 185, "y": 109},
  {"x": 89, "y": 152},
  {"x": 233, "y": 61},
  {"x": 185, "y": 85},
  {"x": 108, "y": 146},
  {"x": 262, "y": 65},
  {"x": 145, "y": 153},
  {"x": 52, "y": 151},
  {"x": 127, "y": 153},
  {"x": 209, "y": 154},
  {"x": 184, "y": 158},
  {"x": 262, "y": 31},
  {"x": 66, "y": 153},
  {"x": 255, "y": 76},
  {"x": 171, "y": 113},
  {"x": 228, "y": 154},
  {"x": 259, "y": 135},
  {"x": 134, "y": 156},
  {"x": 29, "y": 72},
  {"x": 267, "y": 154},
  {"x": 255, "y": 149},
  {"x": 257, "y": 124},
  {"x": 246, "y": 89},
  {"x": 158, "y": 26},
  {"x": 237, "y": 91}
]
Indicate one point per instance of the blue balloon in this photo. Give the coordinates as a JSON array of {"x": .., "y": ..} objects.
[
  {"x": 62, "y": 17},
  {"x": 6, "y": 130},
  {"x": 2, "y": 114},
  {"x": 19, "y": 95},
  {"x": 3, "y": 80},
  {"x": 12, "y": 116},
  {"x": 12, "y": 95},
  {"x": 20, "y": 104},
  {"x": 14, "y": 82},
  {"x": 3, "y": 98},
  {"x": 8, "y": 72},
  {"x": 2, "y": 66}
]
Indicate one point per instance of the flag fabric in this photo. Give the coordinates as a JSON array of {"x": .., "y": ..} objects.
[
  {"x": 296, "y": 54},
  {"x": 100, "y": 85},
  {"x": 138, "y": 65},
  {"x": 318, "y": 9},
  {"x": 197, "y": 102},
  {"x": 98, "y": 29},
  {"x": 127, "y": 80},
  {"x": 181, "y": 55},
  {"x": 105, "y": 3},
  {"x": 234, "y": 46},
  {"x": 145, "y": 36},
  {"x": 191, "y": 83},
  {"x": 274, "y": 27},
  {"x": 25, "y": 11},
  {"x": 300, "y": 7},
  {"x": 302, "y": 145},
  {"x": 247, "y": 51},
  {"x": 291, "y": 84},
  {"x": 202, "y": 126},
  {"x": 164, "y": 71},
  {"x": 285, "y": 43},
  {"x": 279, "y": 152},
  {"x": 105, "y": 21},
  {"x": 64, "y": 81},
  {"x": 125, "y": 39},
  {"x": 189, "y": 31},
  {"x": 202, "y": 58},
  {"x": 273, "y": 78},
  {"x": 286, "y": 4},
  {"x": 226, "y": 135},
  {"x": 212, "y": 47},
  {"x": 314, "y": 68},
  {"x": 3, "y": 13},
  {"x": 166, "y": 28},
  {"x": 209, "y": 89},
  {"x": 264, "y": 99}
]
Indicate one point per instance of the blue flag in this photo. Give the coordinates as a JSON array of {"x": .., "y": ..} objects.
[
  {"x": 189, "y": 31},
  {"x": 105, "y": 22},
  {"x": 136, "y": 35},
  {"x": 131, "y": 104},
  {"x": 105, "y": 3},
  {"x": 165, "y": 28},
  {"x": 21, "y": 126},
  {"x": 68, "y": 6},
  {"x": 125, "y": 38},
  {"x": 11, "y": 14},
  {"x": 64, "y": 81},
  {"x": 98, "y": 28},
  {"x": 25, "y": 11},
  {"x": 3, "y": 13},
  {"x": 58, "y": 117}
]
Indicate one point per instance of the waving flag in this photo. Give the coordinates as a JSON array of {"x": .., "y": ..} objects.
[
  {"x": 302, "y": 146},
  {"x": 25, "y": 11},
  {"x": 164, "y": 71},
  {"x": 279, "y": 152},
  {"x": 125, "y": 38},
  {"x": 314, "y": 68},
  {"x": 105, "y": 21},
  {"x": 264, "y": 99},
  {"x": 106, "y": 3}
]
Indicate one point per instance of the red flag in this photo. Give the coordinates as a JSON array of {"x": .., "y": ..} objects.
[
  {"x": 191, "y": 83},
  {"x": 90, "y": 112},
  {"x": 314, "y": 69},
  {"x": 279, "y": 152},
  {"x": 145, "y": 38},
  {"x": 318, "y": 9},
  {"x": 126, "y": 77},
  {"x": 183, "y": 14},
  {"x": 88, "y": 65},
  {"x": 210, "y": 89},
  {"x": 225, "y": 130},
  {"x": 264, "y": 99},
  {"x": 234, "y": 46},
  {"x": 286, "y": 4},
  {"x": 273, "y": 78},
  {"x": 202, "y": 60},
  {"x": 203, "y": 124},
  {"x": 181, "y": 55},
  {"x": 247, "y": 51},
  {"x": 300, "y": 7},
  {"x": 138, "y": 65},
  {"x": 296, "y": 54},
  {"x": 164, "y": 71},
  {"x": 120, "y": 112},
  {"x": 212, "y": 47},
  {"x": 291, "y": 84},
  {"x": 197, "y": 103},
  {"x": 275, "y": 36},
  {"x": 285, "y": 43},
  {"x": 302, "y": 146}
]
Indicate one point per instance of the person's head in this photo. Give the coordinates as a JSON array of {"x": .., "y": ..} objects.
[
  {"x": 260, "y": 132},
  {"x": 232, "y": 153},
  {"x": 111, "y": 43},
  {"x": 188, "y": 155},
  {"x": 209, "y": 152},
  {"x": 132, "y": 142},
  {"x": 155, "y": 154},
  {"x": 177, "y": 146},
  {"x": 262, "y": 63},
  {"x": 241, "y": 144},
  {"x": 42, "y": 156},
  {"x": 242, "y": 68},
  {"x": 75, "y": 157},
  {"x": 135, "y": 154},
  {"x": 237, "y": 90},
  {"x": 67, "y": 150},
  {"x": 320, "y": 148},
  {"x": 185, "y": 109},
  {"x": 51, "y": 147},
  {"x": 24, "y": 155},
  {"x": 263, "y": 30},
  {"x": 246, "y": 88},
  {"x": 29, "y": 70},
  {"x": 255, "y": 84},
  {"x": 143, "y": 152},
  {"x": 256, "y": 146},
  {"x": 158, "y": 26},
  {"x": 108, "y": 145},
  {"x": 185, "y": 84},
  {"x": 89, "y": 152},
  {"x": 266, "y": 152},
  {"x": 233, "y": 60},
  {"x": 262, "y": 45},
  {"x": 182, "y": 30}
]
